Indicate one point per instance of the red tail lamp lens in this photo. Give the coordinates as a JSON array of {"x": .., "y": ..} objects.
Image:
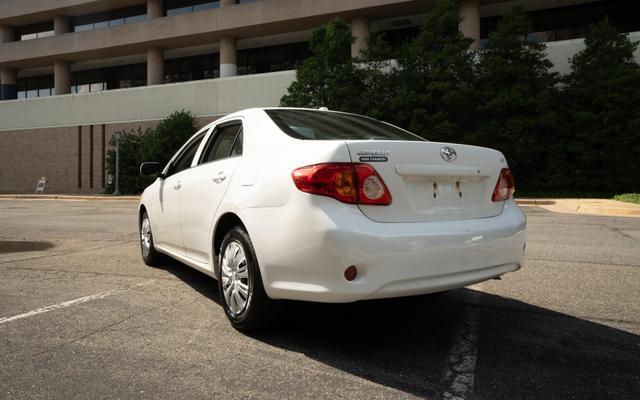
[
  {"x": 347, "y": 182},
  {"x": 505, "y": 186}
]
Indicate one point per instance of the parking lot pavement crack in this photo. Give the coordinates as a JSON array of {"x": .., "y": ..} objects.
[
  {"x": 554, "y": 314},
  {"x": 620, "y": 231},
  {"x": 459, "y": 373},
  {"x": 104, "y": 328},
  {"x": 90, "y": 273}
]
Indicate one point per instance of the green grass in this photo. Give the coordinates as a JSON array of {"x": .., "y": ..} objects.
[
  {"x": 566, "y": 194},
  {"x": 577, "y": 194},
  {"x": 628, "y": 197}
]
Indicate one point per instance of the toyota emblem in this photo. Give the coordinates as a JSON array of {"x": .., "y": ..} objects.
[{"x": 448, "y": 154}]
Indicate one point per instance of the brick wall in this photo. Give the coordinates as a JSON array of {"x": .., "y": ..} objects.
[{"x": 71, "y": 158}]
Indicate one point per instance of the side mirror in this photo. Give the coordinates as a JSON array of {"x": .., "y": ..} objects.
[{"x": 150, "y": 168}]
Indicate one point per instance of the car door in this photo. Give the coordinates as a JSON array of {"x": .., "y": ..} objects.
[
  {"x": 167, "y": 232},
  {"x": 205, "y": 185}
]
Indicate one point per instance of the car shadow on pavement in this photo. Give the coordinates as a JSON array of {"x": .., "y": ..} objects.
[
  {"x": 524, "y": 351},
  {"x": 202, "y": 283},
  {"x": 532, "y": 352}
]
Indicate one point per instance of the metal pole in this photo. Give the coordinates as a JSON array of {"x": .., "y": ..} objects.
[{"x": 116, "y": 192}]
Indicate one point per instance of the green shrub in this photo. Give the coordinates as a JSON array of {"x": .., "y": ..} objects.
[{"x": 138, "y": 146}]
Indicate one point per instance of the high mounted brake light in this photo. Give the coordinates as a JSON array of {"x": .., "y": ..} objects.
[{"x": 352, "y": 183}]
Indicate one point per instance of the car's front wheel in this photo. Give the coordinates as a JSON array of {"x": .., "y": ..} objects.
[
  {"x": 244, "y": 299},
  {"x": 150, "y": 255}
]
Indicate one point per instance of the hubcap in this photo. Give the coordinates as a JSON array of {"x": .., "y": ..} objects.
[
  {"x": 235, "y": 278},
  {"x": 145, "y": 237}
]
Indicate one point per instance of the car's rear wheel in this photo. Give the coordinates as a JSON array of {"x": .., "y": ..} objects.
[
  {"x": 150, "y": 255},
  {"x": 244, "y": 299}
]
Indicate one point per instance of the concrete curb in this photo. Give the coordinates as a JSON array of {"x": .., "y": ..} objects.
[
  {"x": 603, "y": 207},
  {"x": 535, "y": 202},
  {"x": 66, "y": 197}
]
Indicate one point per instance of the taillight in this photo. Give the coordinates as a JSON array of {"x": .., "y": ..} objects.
[
  {"x": 347, "y": 182},
  {"x": 505, "y": 186}
]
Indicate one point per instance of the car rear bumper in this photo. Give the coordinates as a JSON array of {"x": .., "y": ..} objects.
[{"x": 393, "y": 259}]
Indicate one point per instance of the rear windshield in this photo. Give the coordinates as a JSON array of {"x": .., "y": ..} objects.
[{"x": 323, "y": 125}]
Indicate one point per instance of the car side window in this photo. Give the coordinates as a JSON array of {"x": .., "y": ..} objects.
[
  {"x": 224, "y": 143},
  {"x": 184, "y": 160},
  {"x": 237, "y": 146}
]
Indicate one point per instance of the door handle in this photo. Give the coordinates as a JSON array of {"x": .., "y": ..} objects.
[
  {"x": 221, "y": 177},
  {"x": 177, "y": 186}
]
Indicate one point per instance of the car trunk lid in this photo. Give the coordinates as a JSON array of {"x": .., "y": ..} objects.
[{"x": 431, "y": 181}]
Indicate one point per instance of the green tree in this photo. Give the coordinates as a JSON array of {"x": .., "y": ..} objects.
[
  {"x": 603, "y": 95},
  {"x": 515, "y": 91},
  {"x": 329, "y": 77},
  {"x": 432, "y": 92},
  {"x": 138, "y": 146},
  {"x": 424, "y": 86},
  {"x": 170, "y": 134},
  {"x": 131, "y": 155}
]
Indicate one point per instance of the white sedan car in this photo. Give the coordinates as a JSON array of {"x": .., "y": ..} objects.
[{"x": 304, "y": 204}]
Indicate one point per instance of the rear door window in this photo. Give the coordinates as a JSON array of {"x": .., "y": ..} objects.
[
  {"x": 326, "y": 125},
  {"x": 225, "y": 142},
  {"x": 186, "y": 157}
]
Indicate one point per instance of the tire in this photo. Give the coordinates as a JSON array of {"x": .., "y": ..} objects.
[
  {"x": 150, "y": 255},
  {"x": 242, "y": 293}
]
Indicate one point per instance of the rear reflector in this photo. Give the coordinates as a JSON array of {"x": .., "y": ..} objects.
[
  {"x": 505, "y": 186},
  {"x": 350, "y": 273},
  {"x": 352, "y": 183}
]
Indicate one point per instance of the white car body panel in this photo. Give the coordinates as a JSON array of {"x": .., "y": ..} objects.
[
  {"x": 304, "y": 242},
  {"x": 167, "y": 213}
]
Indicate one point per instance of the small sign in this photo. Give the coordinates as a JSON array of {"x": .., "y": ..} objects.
[{"x": 42, "y": 186}]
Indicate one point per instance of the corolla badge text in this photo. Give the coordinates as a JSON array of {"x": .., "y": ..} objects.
[{"x": 374, "y": 155}]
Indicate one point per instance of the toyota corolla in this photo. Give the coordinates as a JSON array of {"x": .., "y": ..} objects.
[{"x": 317, "y": 205}]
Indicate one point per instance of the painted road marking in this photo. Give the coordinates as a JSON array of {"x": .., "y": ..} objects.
[
  {"x": 80, "y": 300},
  {"x": 460, "y": 369}
]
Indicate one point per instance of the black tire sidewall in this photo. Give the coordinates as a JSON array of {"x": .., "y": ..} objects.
[
  {"x": 152, "y": 256},
  {"x": 237, "y": 234}
]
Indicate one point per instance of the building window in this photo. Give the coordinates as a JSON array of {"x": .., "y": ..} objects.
[
  {"x": 34, "y": 31},
  {"x": 207, "y": 66},
  {"x": 192, "y": 68},
  {"x": 177, "y": 7},
  {"x": 109, "y": 78},
  {"x": 36, "y": 86},
  {"x": 273, "y": 58},
  {"x": 571, "y": 22},
  {"x": 111, "y": 18}
]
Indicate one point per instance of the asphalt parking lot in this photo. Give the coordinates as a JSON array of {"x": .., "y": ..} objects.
[{"x": 82, "y": 317}]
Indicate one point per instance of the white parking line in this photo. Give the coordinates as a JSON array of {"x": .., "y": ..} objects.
[
  {"x": 70, "y": 303},
  {"x": 460, "y": 369}
]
